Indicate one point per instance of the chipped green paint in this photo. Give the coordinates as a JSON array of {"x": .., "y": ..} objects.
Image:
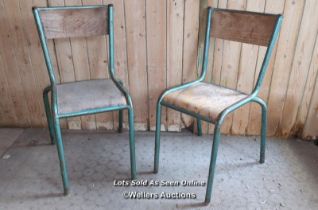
[
  {"x": 253, "y": 97},
  {"x": 53, "y": 117}
]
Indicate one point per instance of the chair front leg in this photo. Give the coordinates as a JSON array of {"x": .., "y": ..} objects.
[
  {"x": 215, "y": 146},
  {"x": 263, "y": 128},
  {"x": 157, "y": 137},
  {"x": 199, "y": 126},
  {"x": 60, "y": 150},
  {"x": 132, "y": 143},
  {"x": 120, "y": 121},
  {"x": 48, "y": 113}
]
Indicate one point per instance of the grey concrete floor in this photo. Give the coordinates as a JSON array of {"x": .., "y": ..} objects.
[{"x": 30, "y": 176}]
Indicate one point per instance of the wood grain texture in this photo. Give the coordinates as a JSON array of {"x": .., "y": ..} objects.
[
  {"x": 205, "y": 99},
  {"x": 11, "y": 69},
  {"x": 298, "y": 77},
  {"x": 81, "y": 65},
  {"x": 97, "y": 50},
  {"x": 121, "y": 68},
  {"x": 216, "y": 67},
  {"x": 293, "y": 12},
  {"x": 311, "y": 126},
  {"x": 254, "y": 125},
  {"x": 289, "y": 85},
  {"x": 202, "y": 29},
  {"x": 251, "y": 28},
  {"x": 308, "y": 92},
  {"x": 136, "y": 58},
  {"x": 64, "y": 57},
  {"x": 34, "y": 49},
  {"x": 247, "y": 70},
  {"x": 156, "y": 56},
  {"x": 230, "y": 63},
  {"x": 74, "y": 22},
  {"x": 175, "y": 17},
  {"x": 190, "y": 43}
]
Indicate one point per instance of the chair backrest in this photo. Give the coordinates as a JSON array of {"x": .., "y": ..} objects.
[
  {"x": 74, "y": 22},
  {"x": 241, "y": 26}
]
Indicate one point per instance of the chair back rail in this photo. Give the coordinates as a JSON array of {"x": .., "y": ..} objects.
[
  {"x": 246, "y": 27},
  {"x": 69, "y": 23}
]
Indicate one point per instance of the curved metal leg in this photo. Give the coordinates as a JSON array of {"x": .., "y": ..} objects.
[
  {"x": 48, "y": 113},
  {"x": 132, "y": 143},
  {"x": 60, "y": 150},
  {"x": 263, "y": 128},
  {"x": 199, "y": 126},
  {"x": 216, "y": 141},
  {"x": 120, "y": 121},
  {"x": 157, "y": 140}
]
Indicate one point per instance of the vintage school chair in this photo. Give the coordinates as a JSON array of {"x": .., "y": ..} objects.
[
  {"x": 212, "y": 103},
  {"x": 81, "y": 97}
]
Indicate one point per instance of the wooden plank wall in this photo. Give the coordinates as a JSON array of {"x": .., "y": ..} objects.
[{"x": 158, "y": 46}]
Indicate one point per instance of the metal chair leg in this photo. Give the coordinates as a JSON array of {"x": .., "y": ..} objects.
[
  {"x": 60, "y": 150},
  {"x": 132, "y": 143},
  {"x": 199, "y": 126},
  {"x": 120, "y": 121},
  {"x": 263, "y": 132},
  {"x": 216, "y": 141},
  {"x": 48, "y": 113},
  {"x": 157, "y": 138}
]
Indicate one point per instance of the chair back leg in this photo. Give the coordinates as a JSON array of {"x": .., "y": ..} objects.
[
  {"x": 263, "y": 133},
  {"x": 132, "y": 143},
  {"x": 48, "y": 113},
  {"x": 215, "y": 146},
  {"x": 157, "y": 137},
  {"x": 60, "y": 150},
  {"x": 199, "y": 126},
  {"x": 120, "y": 121}
]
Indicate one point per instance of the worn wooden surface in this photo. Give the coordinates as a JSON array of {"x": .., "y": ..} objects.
[
  {"x": 250, "y": 28},
  {"x": 74, "y": 22},
  {"x": 158, "y": 46}
]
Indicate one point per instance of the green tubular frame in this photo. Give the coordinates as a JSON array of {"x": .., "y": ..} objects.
[
  {"x": 253, "y": 97},
  {"x": 51, "y": 110}
]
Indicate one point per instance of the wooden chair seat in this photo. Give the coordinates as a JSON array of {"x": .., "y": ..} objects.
[
  {"x": 89, "y": 94},
  {"x": 204, "y": 99}
]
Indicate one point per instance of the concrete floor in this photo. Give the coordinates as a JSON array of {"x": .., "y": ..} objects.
[{"x": 30, "y": 179}]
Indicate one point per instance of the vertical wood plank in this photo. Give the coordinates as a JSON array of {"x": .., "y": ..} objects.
[
  {"x": 202, "y": 29},
  {"x": 254, "y": 126},
  {"x": 34, "y": 50},
  {"x": 23, "y": 61},
  {"x": 38, "y": 51},
  {"x": 98, "y": 63},
  {"x": 230, "y": 66},
  {"x": 245, "y": 83},
  {"x": 65, "y": 63},
  {"x": 156, "y": 56},
  {"x": 81, "y": 66},
  {"x": 7, "y": 111},
  {"x": 309, "y": 89},
  {"x": 11, "y": 69},
  {"x": 136, "y": 58},
  {"x": 175, "y": 17},
  {"x": 311, "y": 126},
  {"x": 217, "y": 59},
  {"x": 190, "y": 44},
  {"x": 285, "y": 53},
  {"x": 300, "y": 66}
]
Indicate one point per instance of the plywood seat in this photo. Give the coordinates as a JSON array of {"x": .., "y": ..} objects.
[
  {"x": 204, "y": 99},
  {"x": 89, "y": 94}
]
